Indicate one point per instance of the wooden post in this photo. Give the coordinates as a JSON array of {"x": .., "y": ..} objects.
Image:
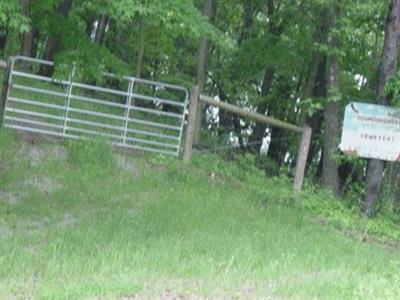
[
  {"x": 191, "y": 124},
  {"x": 6, "y": 87},
  {"x": 302, "y": 158}
]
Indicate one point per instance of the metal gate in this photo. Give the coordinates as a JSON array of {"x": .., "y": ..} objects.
[{"x": 129, "y": 112}]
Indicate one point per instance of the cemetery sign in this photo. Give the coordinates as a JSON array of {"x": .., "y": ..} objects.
[{"x": 371, "y": 131}]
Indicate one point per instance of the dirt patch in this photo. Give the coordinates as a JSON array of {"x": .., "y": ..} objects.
[
  {"x": 68, "y": 220},
  {"x": 32, "y": 153},
  {"x": 12, "y": 197},
  {"x": 124, "y": 164},
  {"x": 44, "y": 184},
  {"x": 5, "y": 230},
  {"x": 186, "y": 289},
  {"x": 31, "y": 249},
  {"x": 59, "y": 153},
  {"x": 30, "y": 227},
  {"x": 36, "y": 155}
]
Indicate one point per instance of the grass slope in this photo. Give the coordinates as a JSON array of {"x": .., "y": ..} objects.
[{"x": 79, "y": 222}]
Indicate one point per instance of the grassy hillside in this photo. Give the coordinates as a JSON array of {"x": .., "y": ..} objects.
[{"x": 78, "y": 221}]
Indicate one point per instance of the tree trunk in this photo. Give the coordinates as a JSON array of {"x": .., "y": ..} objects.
[
  {"x": 28, "y": 38},
  {"x": 330, "y": 178},
  {"x": 390, "y": 184},
  {"x": 53, "y": 41},
  {"x": 202, "y": 61},
  {"x": 316, "y": 86},
  {"x": 3, "y": 39},
  {"x": 29, "y": 42},
  {"x": 100, "y": 29},
  {"x": 90, "y": 20},
  {"x": 319, "y": 90},
  {"x": 386, "y": 70},
  {"x": 140, "y": 57},
  {"x": 397, "y": 185},
  {"x": 307, "y": 91}
]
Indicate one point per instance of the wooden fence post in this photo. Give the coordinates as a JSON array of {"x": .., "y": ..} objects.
[
  {"x": 302, "y": 159},
  {"x": 5, "y": 88},
  {"x": 191, "y": 124}
]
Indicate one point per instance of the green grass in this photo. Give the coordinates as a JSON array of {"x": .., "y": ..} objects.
[{"x": 80, "y": 227}]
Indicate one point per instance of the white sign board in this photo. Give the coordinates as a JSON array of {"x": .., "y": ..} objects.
[{"x": 371, "y": 131}]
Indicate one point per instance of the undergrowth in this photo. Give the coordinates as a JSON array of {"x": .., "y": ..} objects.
[
  {"x": 98, "y": 225},
  {"x": 385, "y": 225}
]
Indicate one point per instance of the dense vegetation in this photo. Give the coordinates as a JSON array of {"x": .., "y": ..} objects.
[
  {"x": 298, "y": 61},
  {"x": 79, "y": 221}
]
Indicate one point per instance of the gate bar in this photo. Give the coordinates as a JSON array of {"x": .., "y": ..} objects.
[{"x": 68, "y": 100}]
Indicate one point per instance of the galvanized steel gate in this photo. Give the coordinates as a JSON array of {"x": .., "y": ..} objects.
[{"x": 129, "y": 112}]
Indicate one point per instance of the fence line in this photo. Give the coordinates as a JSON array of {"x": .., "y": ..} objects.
[
  {"x": 72, "y": 109},
  {"x": 16, "y": 117},
  {"x": 305, "y": 131}
]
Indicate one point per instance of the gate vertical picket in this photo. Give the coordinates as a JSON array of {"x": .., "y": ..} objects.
[
  {"x": 127, "y": 109},
  {"x": 68, "y": 100}
]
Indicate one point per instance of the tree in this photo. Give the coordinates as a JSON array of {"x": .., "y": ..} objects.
[
  {"x": 11, "y": 20},
  {"x": 330, "y": 177},
  {"x": 202, "y": 62},
  {"x": 29, "y": 37},
  {"x": 101, "y": 26},
  {"x": 386, "y": 70},
  {"x": 53, "y": 43},
  {"x": 397, "y": 184}
]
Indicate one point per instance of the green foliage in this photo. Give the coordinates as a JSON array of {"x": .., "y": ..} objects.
[
  {"x": 312, "y": 105},
  {"x": 392, "y": 89},
  {"x": 174, "y": 18},
  {"x": 11, "y": 17}
]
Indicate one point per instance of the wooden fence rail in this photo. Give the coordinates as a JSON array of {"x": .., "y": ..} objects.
[
  {"x": 305, "y": 132},
  {"x": 249, "y": 114}
]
